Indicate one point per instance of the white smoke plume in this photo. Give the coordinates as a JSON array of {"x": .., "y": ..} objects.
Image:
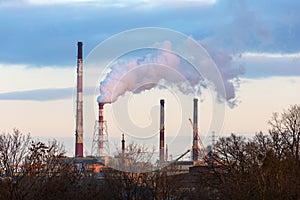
[
  {"x": 158, "y": 68},
  {"x": 244, "y": 30}
]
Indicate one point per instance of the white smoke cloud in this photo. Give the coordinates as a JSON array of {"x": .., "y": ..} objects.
[
  {"x": 163, "y": 67},
  {"x": 142, "y": 73}
]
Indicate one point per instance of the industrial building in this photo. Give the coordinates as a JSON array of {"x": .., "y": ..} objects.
[{"x": 100, "y": 146}]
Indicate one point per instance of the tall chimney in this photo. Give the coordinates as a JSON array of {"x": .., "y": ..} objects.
[
  {"x": 79, "y": 106},
  {"x": 101, "y": 129},
  {"x": 167, "y": 153},
  {"x": 162, "y": 131},
  {"x": 123, "y": 145},
  {"x": 195, "y": 151}
]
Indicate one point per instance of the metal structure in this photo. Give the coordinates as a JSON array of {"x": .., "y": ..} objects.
[
  {"x": 79, "y": 106},
  {"x": 162, "y": 131},
  {"x": 201, "y": 151},
  {"x": 213, "y": 141},
  {"x": 100, "y": 145},
  {"x": 179, "y": 157}
]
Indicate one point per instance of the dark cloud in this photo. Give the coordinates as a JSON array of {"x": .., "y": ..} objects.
[
  {"x": 47, "y": 35},
  {"x": 38, "y": 95},
  {"x": 261, "y": 66},
  {"x": 48, "y": 94}
]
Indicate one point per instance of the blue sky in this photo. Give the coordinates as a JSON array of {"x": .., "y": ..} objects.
[
  {"x": 42, "y": 35},
  {"x": 259, "y": 41}
]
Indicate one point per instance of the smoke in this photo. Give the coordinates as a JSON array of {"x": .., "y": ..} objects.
[
  {"x": 157, "y": 68},
  {"x": 245, "y": 30},
  {"x": 230, "y": 73}
]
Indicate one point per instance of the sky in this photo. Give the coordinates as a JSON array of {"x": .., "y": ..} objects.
[{"x": 254, "y": 44}]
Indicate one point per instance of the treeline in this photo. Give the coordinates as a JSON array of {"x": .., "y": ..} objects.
[
  {"x": 266, "y": 166},
  {"x": 31, "y": 169}
]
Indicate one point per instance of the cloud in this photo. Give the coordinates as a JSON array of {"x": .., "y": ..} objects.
[
  {"x": 231, "y": 26},
  {"x": 49, "y": 94},
  {"x": 108, "y": 3},
  {"x": 23, "y": 77},
  {"x": 38, "y": 95},
  {"x": 261, "y": 65}
]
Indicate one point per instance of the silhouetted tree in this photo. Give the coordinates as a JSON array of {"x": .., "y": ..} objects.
[
  {"x": 136, "y": 178},
  {"x": 285, "y": 132},
  {"x": 33, "y": 170},
  {"x": 264, "y": 167}
]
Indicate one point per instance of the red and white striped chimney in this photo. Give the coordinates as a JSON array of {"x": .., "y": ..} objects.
[
  {"x": 79, "y": 106},
  {"x": 123, "y": 145},
  {"x": 162, "y": 131},
  {"x": 195, "y": 151},
  {"x": 101, "y": 129}
]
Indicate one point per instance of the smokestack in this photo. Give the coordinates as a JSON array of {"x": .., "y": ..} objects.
[
  {"x": 195, "y": 131},
  {"x": 167, "y": 153},
  {"x": 162, "y": 131},
  {"x": 123, "y": 145},
  {"x": 79, "y": 106},
  {"x": 101, "y": 129}
]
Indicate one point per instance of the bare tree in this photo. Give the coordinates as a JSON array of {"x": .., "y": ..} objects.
[
  {"x": 265, "y": 166},
  {"x": 136, "y": 178},
  {"x": 29, "y": 167},
  {"x": 285, "y": 132},
  {"x": 13, "y": 151}
]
